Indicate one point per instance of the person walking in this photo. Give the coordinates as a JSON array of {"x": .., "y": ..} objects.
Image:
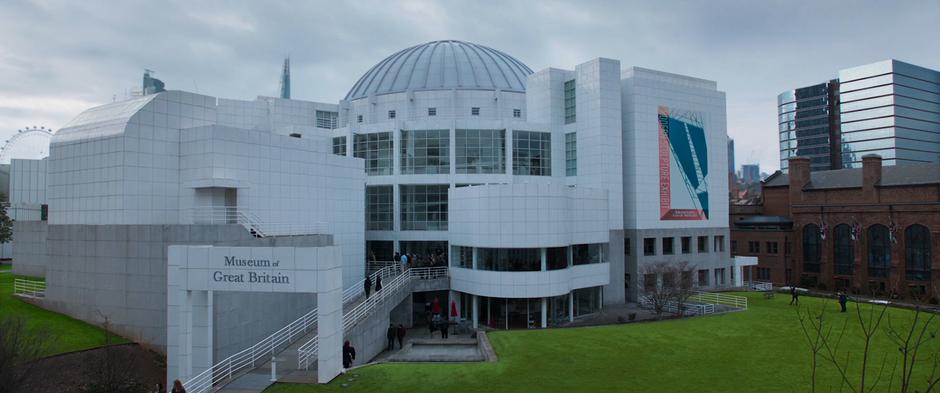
[
  {"x": 401, "y": 336},
  {"x": 178, "y": 387},
  {"x": 367, "y": 285},
  {"x": 404, "y": 262},
  {"x": 443, "y": 326},
  {"x": 390, "y": 335},
  {"x": 794, "y": 296},
  {"x": 378, "y": 283},
  {"x": 842, "y": 300},
  {"x": 349, "y": 354}
]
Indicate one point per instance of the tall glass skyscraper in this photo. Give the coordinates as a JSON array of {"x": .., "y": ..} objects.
[{"x": 889, "y": 108}]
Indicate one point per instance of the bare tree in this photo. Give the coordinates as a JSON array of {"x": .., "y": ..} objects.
[
  {"x": 19, "y": 346},
  {"x": 667, "y": 285},
  {"x": 113, "y": 371}
]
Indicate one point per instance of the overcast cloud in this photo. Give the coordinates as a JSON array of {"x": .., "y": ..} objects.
[{"x": 58, "y": 58}]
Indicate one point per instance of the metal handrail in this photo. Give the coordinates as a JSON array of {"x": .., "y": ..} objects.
[
  {"x": 29, "y": 288},
  {"x": 252, "y": 223},
  {"x": 717, "y": 298}
]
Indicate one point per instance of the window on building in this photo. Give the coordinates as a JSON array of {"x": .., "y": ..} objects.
[
  {"x": 326, "y": 119},
  {"x": 509, "y": 259},
  {"x": 787, "y": 247},
  {"x": 376, "y": 150},
  {"x": 917, "y": 252},
  {"x": 570, "y": 102},
  {"x": 772, "y": 247},
  {"x": 649, "y": 246},
  {"x": 586, "y": 300},
  {"x": 703, "y": 244},
  {"x": 423, "y": 207},
  {"x": 843, "y": 251},
  {"x": 531, "y": 153},
  {"x": 475, "y": 111},
  {"x": 685, "y": 279},
  {"x": 571, "y": 154},
  {"x": 358, "y": 118},
  {"x": 295, "y": 135},
  {"x": 517, "y": 113},
  {"x": 391, "y": 114},
  {"x": 626, "y": 246},
  {"x": 461, "y": 256},
  {"x": 668, "y": 246},
  {"x": 734, "y": 246},
  {"x": 763, "y": 274},
  {"x": 879, "y": 251},
  {"x": 425, "y": 152},
  {"x": 719, "y": 245},
  {"x": 481, "y": 151},
  {"x": 753, "y": 247},
  {"x": 379, "y": 208},
  {"x": 583, "y": 254},
  {"x": 380, "y": 250},
  {"x": 703, "y": 278},
  {"x": 687, "y": 244},
  {"x": 812, "y": 248},
  {"x": 432, "y": 111},
  {"x": 649, "y": 282},
  {"x": 720, "y": 276},
  {"x": 339, "y": 145},
  {"x": 556, "y": 258}
]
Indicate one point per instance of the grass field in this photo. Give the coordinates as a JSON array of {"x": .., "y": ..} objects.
[
  {"x": 762, "y": 349},
  {"x": 67, "y": 334}
]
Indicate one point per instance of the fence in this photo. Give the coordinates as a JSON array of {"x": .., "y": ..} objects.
[
  {"x": 759, "y": 286},
  {"x": 717, "y": 298},
  {"x": 252, "y": 223},
  {"x": 29, "y": 288}
]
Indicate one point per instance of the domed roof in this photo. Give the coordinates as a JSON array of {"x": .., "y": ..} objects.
[{"x": 440, "y": 65}]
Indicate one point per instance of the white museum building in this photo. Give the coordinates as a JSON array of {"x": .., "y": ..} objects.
[{"x": 545, "y": 193}]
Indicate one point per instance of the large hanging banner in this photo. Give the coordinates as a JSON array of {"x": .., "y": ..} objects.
[{"x": 683, "y": 166}]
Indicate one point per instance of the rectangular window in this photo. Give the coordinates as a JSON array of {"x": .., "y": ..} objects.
[
  {"x": 649, "y": 246},
  {"x": 583, "y": 254},
  {"x": 771, "y": 247},
  {"x": 432, "y": 111},
  {"x": 571, "y": 154},
  {"x": 686, "y": 244},
  {"x": 481, "y": 151},
  {"x": 719, "y": 245},
  {"x": 517, "y": 113},
  {"x": 509, "y": 259},
  {"x": 391, "y": 114},
  {"x": 703, "y": 244},
  {"x": 339, "y": 145},
  {"x": 376, "y": 150},
  {"x": 556, "y": 258},
  {"x": 359, "y": 118},
  {"x": 425, "y": 152},
  {"x": 703, "y": 278},
  {"x": 379, "y": 208},
  {"x": 423, "y": 207},
  {"x": 649, "y": 282},
  {"x": 531, "y": 153},
  {"x": 586, "y": 300},
  {"x": 380, "y": 250},
  {"x": 326, "y": 119},
  {"x": 753, "y": 247},
  {"x": 475, "y": 111},
  {"x": 626, "y": 246},
  {"x": 668, "y": 248},
  {"x": 734, "y": 246},
  {"x": 570, "y": 109},
  {"x": 461, "y": 256}
]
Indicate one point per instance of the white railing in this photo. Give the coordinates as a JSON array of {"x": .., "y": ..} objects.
[
  {"x": 760, "y": 286},
  {"x": 252, "y": 223},
  {"x": 308, "y": 351},
  {"x": 358, "y": 289},
  {"x": 719, "y": 299},
  {"x": 372, "y": 266},
  {"x": 672, "y": 306},
  {"x": 29, "y": 288},
  {"x": 427, "y": 273}
]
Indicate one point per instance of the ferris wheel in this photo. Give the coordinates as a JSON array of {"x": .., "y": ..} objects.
[{"x": 29, "y": 143}]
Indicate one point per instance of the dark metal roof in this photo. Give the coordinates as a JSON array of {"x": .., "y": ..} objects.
[{"x": 894, "y": 175}]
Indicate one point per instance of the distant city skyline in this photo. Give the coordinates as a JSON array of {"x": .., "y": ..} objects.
[{"x": 60, "y": 58}]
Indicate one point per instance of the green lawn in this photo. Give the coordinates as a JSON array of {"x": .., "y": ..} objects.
[
  {"x": 67, "y": 334},
  {"x": 762, "y": 349}
]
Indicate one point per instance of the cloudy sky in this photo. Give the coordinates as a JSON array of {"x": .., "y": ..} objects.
[{"x": 58, "y": 58}]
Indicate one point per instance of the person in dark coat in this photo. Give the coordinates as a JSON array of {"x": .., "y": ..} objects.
[
  {"x": 178, "y": 387},
  {"x": 349, "y": 354},
  {"x": 794, "y": 296},
  {"x": 367, "y": 285},
  {"x": 401, "y": 336},
  {"x": 442, "y": 325},
  {"x": 843, "y": 300},
  {"x": 390, "y": 335},
  {"x": 378, "y": 283}
]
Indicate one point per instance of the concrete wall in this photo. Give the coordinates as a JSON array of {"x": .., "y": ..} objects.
[
  {"x": 368, "y": 336},
  {"x": 119, "y": 271},
  {"x": 29, "y": 256}
]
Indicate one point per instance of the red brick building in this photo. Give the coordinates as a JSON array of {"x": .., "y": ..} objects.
[{"x": 862, "y": 229}]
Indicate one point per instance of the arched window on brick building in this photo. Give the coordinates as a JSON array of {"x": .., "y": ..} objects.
[
  {"x": 879, "y": 251},
  {"x": 917, "y": 252},
  {"x": 812, "y": 248},
  {"x": 843, "y": 252}
]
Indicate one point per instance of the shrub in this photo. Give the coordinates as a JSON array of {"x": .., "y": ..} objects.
[{"x": 632, "y": 316}]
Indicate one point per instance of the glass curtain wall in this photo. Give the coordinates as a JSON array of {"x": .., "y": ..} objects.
[
  {"x": 379, "y": 208},
  {"x": 531, "y": 153},
  {"x": 423, "y": 207},
  {"x": 481, "y": 151},
  {"x": 425, "y": 152},
  {"x": 376, "y": 150}
]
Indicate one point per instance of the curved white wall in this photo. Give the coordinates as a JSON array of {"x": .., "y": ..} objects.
[
  {"x": 529, "y": 284},
  {"x": 527, "y": 215}
]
